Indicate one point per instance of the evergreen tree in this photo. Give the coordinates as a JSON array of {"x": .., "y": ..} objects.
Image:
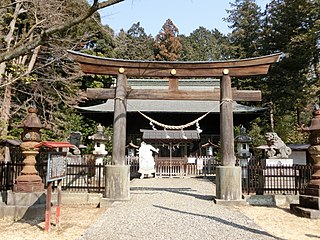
[
  {"x": 204, "y": 46},
  {"x": 245, "y": 22},
  {"x": 167, "y": 43},
  {"x": 292, "y": 27},
  {"x": 134, "y": 44}
]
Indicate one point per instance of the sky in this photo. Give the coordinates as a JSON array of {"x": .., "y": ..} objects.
[{"x": 187, "y": 15}]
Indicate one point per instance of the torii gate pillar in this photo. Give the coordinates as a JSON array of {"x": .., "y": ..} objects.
[
  {"x": 117, "y": 177},
  {"x": 228, "y": 177}
]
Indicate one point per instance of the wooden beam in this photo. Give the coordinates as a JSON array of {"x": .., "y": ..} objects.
[
  {"x": 181, "y": 73},
  {"x": 173, "y": 84},
  {"x": 137, "y": 68},
  {"x": 160, "y": 94}
]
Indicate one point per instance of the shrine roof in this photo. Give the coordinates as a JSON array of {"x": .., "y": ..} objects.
[
  {"x": 51, "y": 144},
  {"x": 10, "y": 142},
  {"x": 170, "y": 135},
  {"x": 170, "y": 106}
]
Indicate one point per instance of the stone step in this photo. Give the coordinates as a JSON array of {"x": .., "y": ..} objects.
[
  {"x": 307, "y": 201},
  {"x": 25, "y": 199},
  {"x": 305, "y": 212},
  {"x": 311, "y": 191}
]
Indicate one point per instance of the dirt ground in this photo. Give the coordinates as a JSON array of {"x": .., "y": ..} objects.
[
  {"x": 76, "y": 219},
  {"x": 280, "y": 222}
]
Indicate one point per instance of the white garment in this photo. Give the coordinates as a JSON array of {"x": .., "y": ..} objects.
[{"x": 146, "y": 160}]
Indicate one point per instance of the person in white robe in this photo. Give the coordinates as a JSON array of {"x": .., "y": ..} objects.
[{"x": 146, "y": 160}]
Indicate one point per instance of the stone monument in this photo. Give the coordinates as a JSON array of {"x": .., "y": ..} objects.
[
  {"x": 277, "y": 153},
  {"x": 275, "y": 163}
]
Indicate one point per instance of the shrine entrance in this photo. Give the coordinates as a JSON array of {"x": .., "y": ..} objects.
[{"x": 228, "y": 175}]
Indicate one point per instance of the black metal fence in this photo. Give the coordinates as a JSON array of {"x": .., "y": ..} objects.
[
  {"x": 275, "y": 179},
  {"x": 84, "y": 175}
]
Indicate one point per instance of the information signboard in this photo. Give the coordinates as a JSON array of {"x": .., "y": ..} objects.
[{"x": 57, "y": 166}]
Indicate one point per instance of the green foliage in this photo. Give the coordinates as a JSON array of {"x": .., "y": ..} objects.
[
  {"x": 288, "y": 130},
  {"x": 204, "y": 45},
  {"x": 291, "y": 27},
  {"x": 245, "y": 20},
  {"x": 134, "y": 44}
]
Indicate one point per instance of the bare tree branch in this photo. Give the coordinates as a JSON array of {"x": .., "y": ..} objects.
[{"x": 24, "y": 48}]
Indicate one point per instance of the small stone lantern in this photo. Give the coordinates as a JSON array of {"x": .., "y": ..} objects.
[
  {"x": 29, "y": 180},
  {"x": 243, "y": 154},
  {"x": 100, "y": 140}
]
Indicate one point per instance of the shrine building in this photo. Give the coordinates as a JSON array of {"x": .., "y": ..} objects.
[{"x": 172, "y": 112}]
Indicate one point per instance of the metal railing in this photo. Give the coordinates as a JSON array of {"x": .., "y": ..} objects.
[{"x": 290, "y": 179}]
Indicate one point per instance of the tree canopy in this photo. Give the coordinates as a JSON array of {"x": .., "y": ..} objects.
[{"x": 34, "y": 67}]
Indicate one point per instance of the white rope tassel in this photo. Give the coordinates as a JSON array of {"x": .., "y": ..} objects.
[
  {"x": 183, "y": 134},
  {"x": 153, "y": 127},
  {"x": 167, "y": 135},
  {"x": 199, "y": 130}
]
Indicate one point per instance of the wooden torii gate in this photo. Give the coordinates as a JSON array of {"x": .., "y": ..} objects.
[{"x": 228, "y": 175}]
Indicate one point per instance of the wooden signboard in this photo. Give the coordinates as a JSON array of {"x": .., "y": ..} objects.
[
  {"x": 56, "y": 170},
  {"x": 57, "y": 166}
]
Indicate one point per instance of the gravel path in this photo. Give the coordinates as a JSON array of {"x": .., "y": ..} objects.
[{"x": 173, "y": 208}]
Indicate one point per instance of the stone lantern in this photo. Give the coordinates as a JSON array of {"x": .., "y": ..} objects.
[
  {"x": 314, "y": 149},
  {"x": 310, "y": 198},
  {"x": 29, "y": 180},
  {"x": 100, "y": 140},
  {"x": 243, "y": 151}
]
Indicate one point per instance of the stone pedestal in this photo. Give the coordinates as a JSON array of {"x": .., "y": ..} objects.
[
  {"x": 18, "y": 206},
  {"x": 277, "y": 162},
  {"x": 228, "y": 183},
  {"x": 117, "y": 182},
  {"x": 29, "y": 180},
  {"x": 309, "y": 203}
]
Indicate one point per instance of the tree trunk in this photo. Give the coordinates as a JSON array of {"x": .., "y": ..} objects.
[
  {"x": 271, "y": 116},
  {"x": 5, "y": 109}
]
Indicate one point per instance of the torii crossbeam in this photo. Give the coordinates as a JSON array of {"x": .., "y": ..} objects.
[{"x": 228, "y": 176}]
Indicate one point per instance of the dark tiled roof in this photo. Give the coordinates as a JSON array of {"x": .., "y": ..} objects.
[
  {"x": 170, "y": 135},
  {"x": 171, "y": 106}
]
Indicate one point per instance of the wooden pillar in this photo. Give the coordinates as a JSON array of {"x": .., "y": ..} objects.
[
  {"x": 226, "y": 121},
  {"x": 120, "y": 121},
  {"x": 228, "y": 183},
  {"x": 117, "y": 177}
]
